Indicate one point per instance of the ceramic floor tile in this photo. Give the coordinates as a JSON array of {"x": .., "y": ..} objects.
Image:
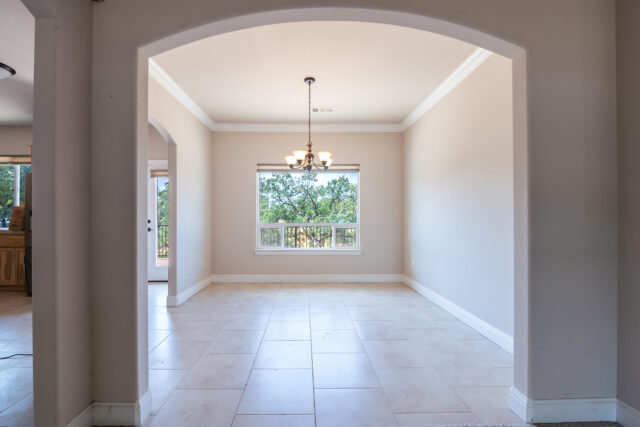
[
  {"x": 290, "y": 313},
  {"x": 15, "y": 385},
  {"x": 419, "y": 390},
  {"x": 491, "y": 353},
  {"x": 336, "y": 341},
  {"x": 346, "y": 370},
  {"x": 458, "y": 329},
  {"x": 436, "y": 340},
  {"x": 162, "y": 382},
  {"x": 20, "y": 414},
  {"x": 330, "y": 321},
  {"x": 176, "y": 354},
  {"x": 235, "y": 341},
  {"x": 436, "y": 418},
  {"x": 395, "y": 354},
  {"x": 279, "y": 392},
  {"x": 156, "y": 336},
  {"x": 379, "y": 330},
  {"x": 353, "y": 407},
  {"x": 195, "y": 331},
  {"x": 198, "y": 408},
  {"x": 284, "y": 355},
  {"x": 274, "y": 421},
  {"x": 214, "y": 371},
  {"x": 367, "y": 313},
  {"x": 287, "y": 330},
  {"x": 489, "y": 404},
  {"x": 246, "y": 322},
  {"x": 477, "y": 376}
]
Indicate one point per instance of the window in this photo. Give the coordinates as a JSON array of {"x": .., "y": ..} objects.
[
  {"x": 313, "y": 211},
  {"x": 12, "y": 190}
]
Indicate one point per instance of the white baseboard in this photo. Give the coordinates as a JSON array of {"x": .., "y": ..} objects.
[
  {"x": 563, "y": 410},
  {"x": 519, "y": 404},
  {"x": 491, "y": 332},
  {"x": 83, "y": 419},
  {"x": 114, "y": 413},
  {"x": 307, "y": 278},
  {"x": 627, "y": 415},
  {"x": 174, "y": 301}
]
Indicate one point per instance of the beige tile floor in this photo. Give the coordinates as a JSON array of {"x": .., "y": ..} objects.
[
  {"x": 320, "y": 354},
  {"x": 16, "y": 374},
  {"x": 295, "y": 355}
]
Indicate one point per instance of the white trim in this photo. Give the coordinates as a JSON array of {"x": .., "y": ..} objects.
[
  {"x": 627, "y": 415},
  {"x": 164, "y": 80},
  {"x": 491, "y": 332},
  {"x": 83, "y": 419},
  {"x": 472, "y": 62},
  {"x": 302, "y": 128},
  {"x": 174, "y": 301},
  {"x": 307, "y": 278},
  {"x": 114, "y": 413},
  {"x": 563, "y": 410},
  {"x": 317, "y": 251},
  {"x": 519, "y": 404}
]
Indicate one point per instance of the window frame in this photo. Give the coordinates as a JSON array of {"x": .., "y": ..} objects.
[{"x": 282, "y": 250}]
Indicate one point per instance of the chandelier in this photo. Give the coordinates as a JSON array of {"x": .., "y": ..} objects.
[{"x": 306, "y": 160}]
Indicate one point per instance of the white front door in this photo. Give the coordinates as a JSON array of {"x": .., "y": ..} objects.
[{"x": 158, "y": 228}]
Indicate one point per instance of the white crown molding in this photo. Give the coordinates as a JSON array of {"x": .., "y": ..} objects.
[
  {"x": 302, "y": 128},
  {"x": 491, "y": 332},
  {"x": 472, "y": 62},
  {"x": 627, "y": 415},
  {"x": 164, "y": 80},
  {"x": 564, "y": 410}
]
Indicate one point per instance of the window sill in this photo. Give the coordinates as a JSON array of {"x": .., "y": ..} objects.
[{"x": 307, "y": 251}]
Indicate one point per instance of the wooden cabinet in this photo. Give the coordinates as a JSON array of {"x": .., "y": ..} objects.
[
  {"x": 7, "y": 267},
  {"x": 12, "y": 271}
]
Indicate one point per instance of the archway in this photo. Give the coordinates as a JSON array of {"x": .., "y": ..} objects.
[
  {"x": 173, "y": 232},
  {"x": 507, "y": 49}
]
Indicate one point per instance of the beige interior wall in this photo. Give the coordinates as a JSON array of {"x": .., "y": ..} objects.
[
  {"x": 628, "y": 40},
  {"x": 15, "y": 139},
  {"x": 234, "y": 160},
  {"x": 194, "y": 200},
  {"x": 458, "y": 196},
  {"x": 158, "y": 148},
  {"x": 572, "y": 179},
  {"x": 63, "y": 338}
]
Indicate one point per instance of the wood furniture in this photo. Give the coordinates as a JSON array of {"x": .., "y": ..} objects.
[{"x": 12, "y": 268}]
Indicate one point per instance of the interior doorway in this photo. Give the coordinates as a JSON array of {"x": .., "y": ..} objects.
[{"x": 158, "y": 221}]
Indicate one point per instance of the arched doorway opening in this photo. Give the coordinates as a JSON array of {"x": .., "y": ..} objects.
[{"x": 497, "y": 45}]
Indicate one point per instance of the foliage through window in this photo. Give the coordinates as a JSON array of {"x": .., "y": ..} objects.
[
  {"x": 163, "y": 217},
  {"x": 12, "y": 190},
  {"x": 308, "y": 210}
]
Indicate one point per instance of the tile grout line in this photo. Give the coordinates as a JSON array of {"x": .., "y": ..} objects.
[{"x": 264, "y": 331}]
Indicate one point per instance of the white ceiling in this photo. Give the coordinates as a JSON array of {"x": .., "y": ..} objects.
[
  {"x": 370, "y": 73},
  {"x": 17, "y": 33}
]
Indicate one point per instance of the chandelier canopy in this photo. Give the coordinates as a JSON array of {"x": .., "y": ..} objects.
[{"x": 306, "y": 160}]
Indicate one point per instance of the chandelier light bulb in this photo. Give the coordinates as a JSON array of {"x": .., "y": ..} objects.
[
  {"x": 291, "y": 160},
  {"x": 324, "y": 156},
  {"x": 299, "y": 154}
]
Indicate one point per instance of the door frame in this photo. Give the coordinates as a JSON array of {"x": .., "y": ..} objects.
[{"x": 155, "y": 273}]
